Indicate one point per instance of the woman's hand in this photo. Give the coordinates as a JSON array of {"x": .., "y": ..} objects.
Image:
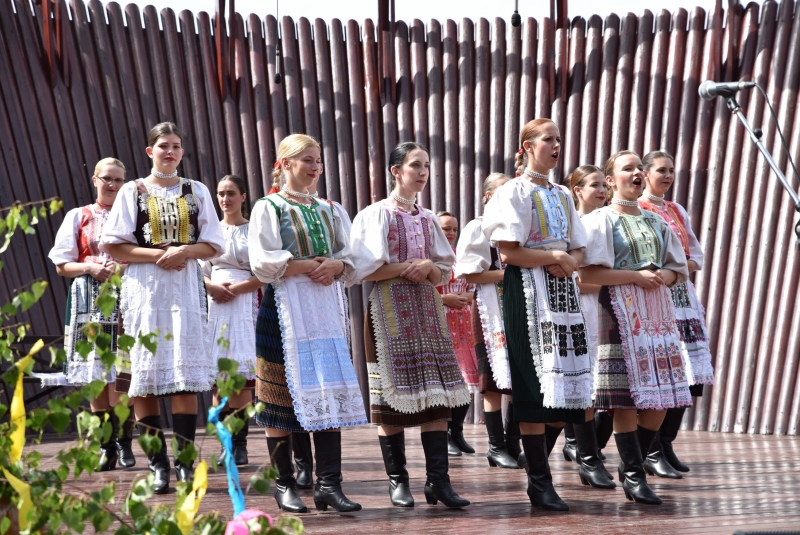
[
  {"x": 220, "y": 293},
  {"x": 327, "y": 270},
  {"x": 649, "y": 280},
  {"x": 418, "y": 270},
  {"x": 457, "y": 301},
  {"x": 102, "y": 272},
  {"x": 173, "y": 258},
  {"x": 692, "y": 266},
  {"x": 565, "y": 263}
]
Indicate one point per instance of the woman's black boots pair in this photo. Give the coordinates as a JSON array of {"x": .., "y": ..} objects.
[
  {"x": 108, "y": 449},
  {"x": 498, "y": 454},
  {"x": 280, "y": 456},
  {"x": 540, "y": 480},
  {"x": 124, "y": 442},
  {"x": 631, "y": 469},
  {"x": 184, "y": 427},
  {"x": 592, "y": 471},
  {"x": 393, "y": 449},
  {"x": 437, "y": 486},
  {"x": 654, "y": 461},
  {"x": 303, "y": 459},
  {"x": 603, "y": 428},
  {"x": 551, "y": 434},
  {"x": 158, "y": 461},
  {"x": 328, "y": 490},
  {"x": 455, "y": 433},
  {"x": 668, "y": 433}
]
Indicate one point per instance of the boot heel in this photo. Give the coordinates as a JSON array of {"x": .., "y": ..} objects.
[
  {"x": 628, "y": 495},
  {"x": 491, "y": 462},
  {"x": 584, "y": 481},
  {"x": 321, "y": 506},
  {"x": 566, "y": 457},
  {"x": 431, "y": 500},
  {"x": 648, "y": 471}
]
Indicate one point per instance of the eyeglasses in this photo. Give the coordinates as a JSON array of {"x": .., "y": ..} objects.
[{"x": 108, "y": 180}]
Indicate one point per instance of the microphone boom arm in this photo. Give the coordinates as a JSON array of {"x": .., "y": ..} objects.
[{"x": 736, "y": 110}]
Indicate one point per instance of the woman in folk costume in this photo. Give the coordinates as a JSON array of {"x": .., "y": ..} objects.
[
  {"x": 538, "y": 231},
  {"x": 76, "y": 254},
  {"x": 589, "y": 191},
  {"x": 162, "y": 224},
  {"x": 635, "y": 256},
  {"x": 659, "y": 173},
  {"x": 304, "y": 375},
  {"x": 233, "y": 303},
  {"x": 413, "y": 372},
  {"x": 478, "y": 263},
  {"x": 301, "y": 441},
  {"x": 457, "y": 297}
]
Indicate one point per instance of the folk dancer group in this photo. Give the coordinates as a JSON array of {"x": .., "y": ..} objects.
[{"x": 579, "y": 309}]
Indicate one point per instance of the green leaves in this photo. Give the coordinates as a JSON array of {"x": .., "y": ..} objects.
[{"x": 106, "y": 304}]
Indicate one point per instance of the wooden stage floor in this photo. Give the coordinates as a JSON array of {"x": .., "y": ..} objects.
[{"x": 740, "y": 482}]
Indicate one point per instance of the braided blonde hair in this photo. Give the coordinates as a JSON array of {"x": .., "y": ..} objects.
[{"x": 290, "y": 147}]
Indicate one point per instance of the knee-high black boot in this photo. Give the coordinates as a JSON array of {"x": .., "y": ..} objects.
[
  {"x": 498, "y": 454},
  {"x": 654, "y": 461},
  {"x": 184, "y": 426},
  {"x": 631, "y": 470},
  {"x": 124, "y": 442},
  {"x": 591, "y": 470},
  {"x": 512, "y": 434},
  {"x": 303, "y": 459},
  {"x": 455, "y": 432},
  {"x": 328, "y": 490},
  {"x": 393, "y": 448},
  {"x": 551, "y": 434},
  {"x": 108, "y": 449},
  {"x": 158, "y": 462},
  {"x": 540, "y": 480},
  {"x": 668, "y": 432},
  {"x": 239, "y": 440},
  {"x": 280, "y": 456},
  {"x": 603, "y": 428},
  {"x": 570, "y": 449},
  {"x": 437, "y": 485}
]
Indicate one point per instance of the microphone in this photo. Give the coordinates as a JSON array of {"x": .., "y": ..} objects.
[
  {"x": 710, "y": 90},
  {"x": 516, "y": 20}
]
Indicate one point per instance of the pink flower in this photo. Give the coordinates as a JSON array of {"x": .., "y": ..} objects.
[{"x": 246, "y": 522}]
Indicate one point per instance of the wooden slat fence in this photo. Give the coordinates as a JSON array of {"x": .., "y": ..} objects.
[{"x": 86, "y": 81}]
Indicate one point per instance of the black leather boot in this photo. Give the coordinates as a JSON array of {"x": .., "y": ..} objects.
[
  {"x": 551, "y": 434},
  {"x": 570, "y": 449},
  {"x": 393, "y": 449},
  {"x": 303, "y": 459},
  {"x": 158, "y": 462},
  {"x": 631, "y": 469},
  {"x": 591, "y": 469},
  {"x": 655, "y": 464},
  {"x": 280, "y": 456},
  {"x": 437, "y": 484},
  {"x": 540, "y": 480},
  {"x": 603, "y": 428},
  {"x": 124, "y": 442},
  {"x": 498, "y": 454},
  {"x": 511, "y": 432},
  {"x": 328, "y": 490},
  {"x": 108, "y": 450},
  {"x": 184, "y": 427},
  {"x": 668, "y": 432},
  {"x": 455, "y": 428}
]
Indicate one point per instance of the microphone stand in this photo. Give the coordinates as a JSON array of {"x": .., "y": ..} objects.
[{"x": 755, "y": 137}]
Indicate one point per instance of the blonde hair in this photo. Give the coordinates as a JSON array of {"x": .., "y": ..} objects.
[
  {"x": 108, "y": 161},
  {"x": 489, "y": 183},
  {"x": 290, "y": 147},
  {"x": 608, "y": 168},
  {"x": 530, "y": 132}
]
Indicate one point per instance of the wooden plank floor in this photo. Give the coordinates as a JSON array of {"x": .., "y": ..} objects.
[{"x": 737, "y": 482}]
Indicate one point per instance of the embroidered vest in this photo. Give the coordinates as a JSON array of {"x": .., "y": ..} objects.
[{"x": 161, "y": 221}]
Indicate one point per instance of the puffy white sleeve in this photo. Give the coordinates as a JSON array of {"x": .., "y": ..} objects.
[
  {"x": 441, "y": 252},
  {"x": 65, "y": 248},
  {"x": 341, "y": 214},
  {"x": 599, "y": 231},
  {"x": 695, "y": 249},
  {"x": 268, "y": 259},
  {"x": 674, "y": 257},
  {"x": 369, "y": 242},
  {"x": 205, "y": 267},
  {"x": 473, "y": 250},
  {"x": 577, "y": 239},
  {"x": 210, "y": 228},
  {"x": 507, "y": 216},
  {"x": 341, "y": 245},
  {"x": 121, "y": 222}
]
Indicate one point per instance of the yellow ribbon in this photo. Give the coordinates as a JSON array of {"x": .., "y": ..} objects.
[
  {"x": 18, "y": 406},
  {"x": 185, "y": 515},
  {"x": 25, "y": 502}
]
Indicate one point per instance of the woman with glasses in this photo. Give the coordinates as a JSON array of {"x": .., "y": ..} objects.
[{"x": 76, "y": 255}]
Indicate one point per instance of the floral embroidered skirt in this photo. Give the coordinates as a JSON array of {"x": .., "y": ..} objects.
[{"x": 81, "y": 309}]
